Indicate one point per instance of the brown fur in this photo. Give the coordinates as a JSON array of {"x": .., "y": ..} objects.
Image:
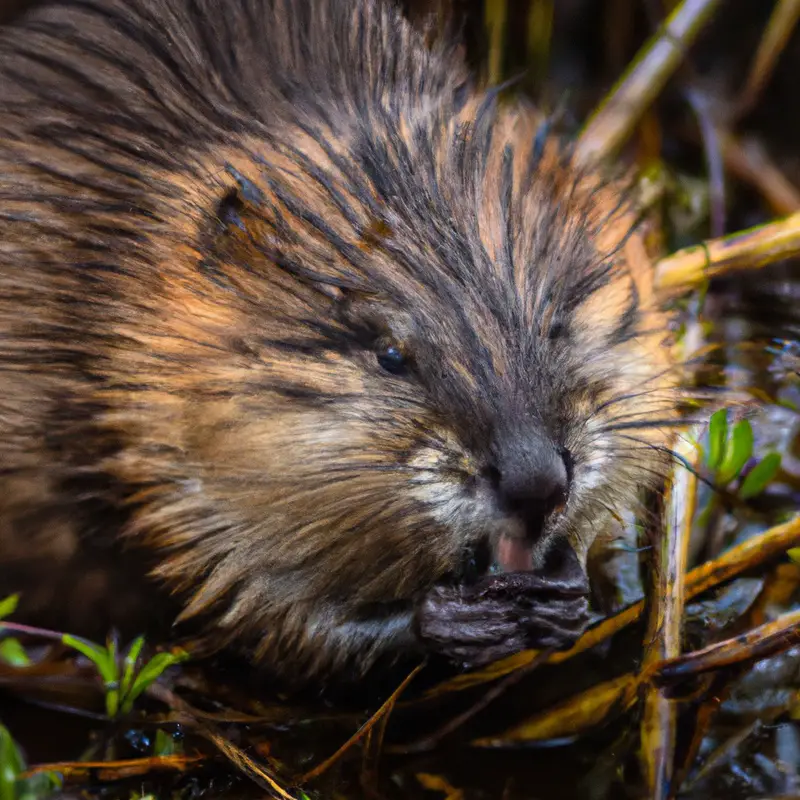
[{"x": 212, "y": 216}]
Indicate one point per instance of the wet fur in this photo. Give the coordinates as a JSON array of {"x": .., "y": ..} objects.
[{"x": 212, "y": 216}]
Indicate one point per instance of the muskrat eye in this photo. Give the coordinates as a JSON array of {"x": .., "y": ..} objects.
[{"x": 392, "y": 360}]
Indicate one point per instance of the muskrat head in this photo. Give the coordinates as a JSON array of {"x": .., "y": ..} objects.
[{"x": 381, "y": 363}]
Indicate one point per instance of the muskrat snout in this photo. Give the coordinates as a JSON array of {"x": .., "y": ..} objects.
[{"x": 531, "y": 477}]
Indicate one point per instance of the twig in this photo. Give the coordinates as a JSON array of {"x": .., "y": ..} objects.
[
  {"x": 595, "y": 706},
  {"x": 643, "y": 81},
  {"x": 245, "y": 764},
  {"x": 750, "y": 249},
  {"x": 573, "y": 716},
  {"x": 115, "y": 770},
  {"x": 755, "y": 645},
  {"x": 722, "y": 753},
  {"x": 665, "y": 625},
  {"x": 712, "y": 146},
  {"x": 29, "y": 630},
  {"x": 385, "y": 709},
  {"x": 748, "y": 160},
  {"x": 779, "y": 30},
  {"x": 435, "y": 738},
  {"x": 205, "y": 728},
  {"x": 495, "y": 16}
]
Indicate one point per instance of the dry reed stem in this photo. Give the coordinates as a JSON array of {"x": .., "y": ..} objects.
[
  {"x": 432, "y": 740},
  {"x": 363, "y": 731},
  {"x": 749, "y": 161},
  {"x": 436, "y": 783},
  {"x": 665, "y": 624},
  {"x": 615, "y": 118},
  {"x": 723, "y": 753},
  {"x": 495, "y": 16},
  {"x": 779, "y": 30},
  {"x": 754, "y": 645},
  {"x": 80, "y": 771},
  {"x": 572, "y": 716},
  {"x": 750, "y": 249},
  {"x": 247, "y": 765}
]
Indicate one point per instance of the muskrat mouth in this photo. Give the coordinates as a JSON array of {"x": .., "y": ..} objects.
[
  {"x": 514, "y": 554},
  {"x": 515, "y": 551},
  {"x": 509, "y": 554}
]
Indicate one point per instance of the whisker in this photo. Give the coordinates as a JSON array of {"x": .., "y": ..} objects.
[
  {"x": 677, "y": 457},
  {"x": 623, "y": 397},
  {"x": 656, "y": 423}
]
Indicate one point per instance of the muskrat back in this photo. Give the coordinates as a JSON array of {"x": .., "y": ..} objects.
[{"x": 306, "y": 333}]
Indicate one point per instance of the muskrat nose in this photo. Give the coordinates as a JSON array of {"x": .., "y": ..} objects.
[{"x": 531, "y": 477}]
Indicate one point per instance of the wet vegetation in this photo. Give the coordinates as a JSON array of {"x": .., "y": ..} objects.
[{"x": 691, "y": 688}]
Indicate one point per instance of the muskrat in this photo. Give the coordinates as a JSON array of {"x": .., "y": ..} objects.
[{"x": 307, "y": 341}]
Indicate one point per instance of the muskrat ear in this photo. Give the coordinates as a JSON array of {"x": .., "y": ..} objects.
[
  {"x": 229, "y": 209},
  {"x": 232, "y": 204}
]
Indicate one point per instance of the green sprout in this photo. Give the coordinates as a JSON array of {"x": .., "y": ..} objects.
[
  {"x": 8, "y": 606},
  {"x": 124, "y": 678},
  {"x": 165, "y": 745},
  {"x": 730, "y": 448},
  {"x": 123, "y": 683},
  {"x": 12, "y": 766},
  {"x": 11, "y": 651}
]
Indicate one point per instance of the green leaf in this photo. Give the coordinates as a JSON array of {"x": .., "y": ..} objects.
[
  {"x": 8, "y": 606},
  {"x": 106, "y": 665},
  {"x": 112, "y": 702},
  {"x": 717, "y": 433},
  {"x": 762, "y": 473},
  {"x": 39, "y": 785},
  {"x": 164, "y": 745},
  {"x": 794, "y": 554},
  {"x": 11, "y": 765},
  {"x": 737, "y": 453},
  {"x": 111, "y": 656},
  {"x": 130, "y": 664},
  {"x": 13, "y": 653},
  {"x": 150, "y": 673}
]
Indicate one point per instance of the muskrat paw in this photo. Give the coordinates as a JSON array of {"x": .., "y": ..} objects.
[{"x": 502, "y": 615}]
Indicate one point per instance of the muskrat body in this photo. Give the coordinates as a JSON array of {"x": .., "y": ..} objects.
[{"x": 301, "y": 332}]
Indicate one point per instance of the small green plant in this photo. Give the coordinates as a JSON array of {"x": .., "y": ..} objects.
[
  {"x": 166, "y": 745},
  {"x": 730, "y": 448},
  {"x": 11, "y": 651},
  {"x": 13, "y": 786},
  {"x": 124, "y": 678},
  {"x": 123, "y": 682}
]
